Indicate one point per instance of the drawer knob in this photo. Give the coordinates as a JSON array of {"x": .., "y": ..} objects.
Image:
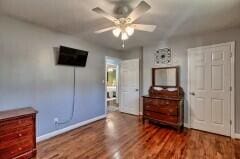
[
  {"x": 20, "y": 135},
  {"x": 19, "y": 148}
]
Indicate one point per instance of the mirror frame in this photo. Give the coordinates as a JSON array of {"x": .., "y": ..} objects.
[{"x": 177, "y": 76}]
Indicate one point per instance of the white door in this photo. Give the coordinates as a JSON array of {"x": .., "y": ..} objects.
[
  {"x": 210, "y": 80},
  {"x": 129, "y": 87}
]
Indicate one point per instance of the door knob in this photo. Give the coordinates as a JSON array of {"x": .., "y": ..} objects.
[
  {"x": 192, "y": 93},
  {"x": 136, "y": 90}
]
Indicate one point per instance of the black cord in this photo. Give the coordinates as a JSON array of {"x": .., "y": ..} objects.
[{"x": 73, "y": 99}]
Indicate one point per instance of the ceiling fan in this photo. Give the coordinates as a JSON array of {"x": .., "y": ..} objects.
[{"x": 124, "y": 26}]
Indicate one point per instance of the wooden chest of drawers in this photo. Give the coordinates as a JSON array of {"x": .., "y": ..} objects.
[
  {"x": 164, "y": 108},
  {"x": 18, "y": 133}
]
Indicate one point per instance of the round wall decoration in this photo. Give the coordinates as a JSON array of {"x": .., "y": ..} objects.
[{"x": 163, "y": 56}]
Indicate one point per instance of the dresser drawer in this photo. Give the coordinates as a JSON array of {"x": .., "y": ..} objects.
[
  {"x": 12, "y": 137},
  {"x": 161, "y": 117},
  {"x": 15, "y": 125},
  {"x": 166, "y": 102},
  {"x": 20, "y": 141},
  {"x": 167, "y": 110},
  {"x": 25, "y": 121},
  {"x": 17, "y": 133},
  {"x": 11, "y": 151},
  {"x": 160, "y": 102}
]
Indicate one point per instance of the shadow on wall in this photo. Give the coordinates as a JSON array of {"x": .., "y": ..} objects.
[{"x": 56, "y": 54}]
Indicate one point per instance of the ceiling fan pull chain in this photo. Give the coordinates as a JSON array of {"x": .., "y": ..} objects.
[{"x": 123, "y": 44}]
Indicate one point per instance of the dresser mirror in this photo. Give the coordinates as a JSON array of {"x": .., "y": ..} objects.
[
  {"x": 165, "y": 100},
  {"x": 165, "y": 77}
]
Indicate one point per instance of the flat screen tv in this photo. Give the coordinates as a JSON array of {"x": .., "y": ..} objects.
[{"x": 72, "y": 57}]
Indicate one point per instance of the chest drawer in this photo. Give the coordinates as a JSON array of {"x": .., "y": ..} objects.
[
  {"x": 161, "y": 117},
  {"x": 159, "y": 102},
  {"x": 15, "y": 125},
  {"x": 18, "y": 133},
  {"x": 12, "y": 137},
  {"x": 167, "y": 110},
  {"x": 18, "y": 148}
]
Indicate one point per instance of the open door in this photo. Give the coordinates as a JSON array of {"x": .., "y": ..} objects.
[{"x": 129, "y": 86}]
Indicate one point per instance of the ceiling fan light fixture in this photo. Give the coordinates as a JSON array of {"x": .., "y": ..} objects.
[
  {"x": 116, "y": 32},
  {"x": 124, "y": 36},
  {"x": 129, "y": 30},
  {"x": 124, "y": 27}
]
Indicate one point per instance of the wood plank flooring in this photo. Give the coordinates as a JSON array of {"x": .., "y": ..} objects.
[{"x": 123, "y": 136}]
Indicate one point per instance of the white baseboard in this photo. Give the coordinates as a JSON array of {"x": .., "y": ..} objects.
[
  {"x": 69, "y": 128},
  {"x": 186, "y": 125},
  {"x": 237, "y": 136}
]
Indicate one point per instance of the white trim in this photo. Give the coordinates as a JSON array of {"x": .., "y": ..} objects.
[
  {"x": 186, "y": 125},
  {"x": 236, "y": 136},
  {"x": 232, "y": 94},
  {"x": 105, "y": 86},
  {"x": 214, "y": 45},
  {"x": 188, "y": 91},
  {"x": 69, "y": 128}
]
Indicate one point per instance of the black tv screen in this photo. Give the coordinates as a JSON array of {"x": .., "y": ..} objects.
[{"x": 72, "y": 57}]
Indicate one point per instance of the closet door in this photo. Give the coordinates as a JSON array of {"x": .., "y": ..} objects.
[{"x": 210, "y": 81}]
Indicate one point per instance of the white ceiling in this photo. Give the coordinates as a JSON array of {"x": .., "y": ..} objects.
[{"x": 172, "y": 17}]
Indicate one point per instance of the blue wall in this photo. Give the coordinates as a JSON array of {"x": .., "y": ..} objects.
[{"x": 29, "y": 76}]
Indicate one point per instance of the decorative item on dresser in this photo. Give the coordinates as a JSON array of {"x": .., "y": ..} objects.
[
  {"x": 164, "y": 103},
  {"x": 18, "y": 133}
]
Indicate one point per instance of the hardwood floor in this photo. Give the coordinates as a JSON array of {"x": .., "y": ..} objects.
[{"x": 123, "y": 136}]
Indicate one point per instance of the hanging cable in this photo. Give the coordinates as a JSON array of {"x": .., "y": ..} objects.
[{"x": 73, "y": 100}]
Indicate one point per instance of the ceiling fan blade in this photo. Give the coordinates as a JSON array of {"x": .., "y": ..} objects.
[
  {"x": 142, "y": 8},
  {"x": 104, "y": 30},
  {"x": 144, "y": 27},
  {"x": 105, "y": 14}
]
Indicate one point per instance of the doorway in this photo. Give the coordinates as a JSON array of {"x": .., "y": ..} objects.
[
  {"x": 112, "y": 84},
  {"x": 211, "y": 88}
]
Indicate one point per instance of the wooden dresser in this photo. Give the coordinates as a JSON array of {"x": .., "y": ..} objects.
[
  {"x": 164, "y": 108},
  {"x": 164, "y": 104},
  {"x": 18, "y": 133}
]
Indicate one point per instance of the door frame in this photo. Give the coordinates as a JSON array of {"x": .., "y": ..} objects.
[
  {"x": 232, "y": 77},
  {"x": 117, "y": 60},
  {"x": 139, "y": 96}
]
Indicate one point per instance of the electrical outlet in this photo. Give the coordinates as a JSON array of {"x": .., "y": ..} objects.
[{"x": 55, "y": 120}]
